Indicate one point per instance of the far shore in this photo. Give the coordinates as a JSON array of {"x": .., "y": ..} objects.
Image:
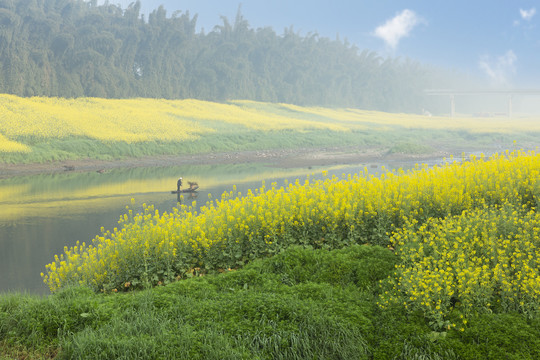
[{"x": 285, "y": 158}]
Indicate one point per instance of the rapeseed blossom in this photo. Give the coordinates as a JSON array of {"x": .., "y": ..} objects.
[
  {"x": 25, "y": 122},
  {"x": 482, "y": 260},
  {"x": 153, "y": 248}
]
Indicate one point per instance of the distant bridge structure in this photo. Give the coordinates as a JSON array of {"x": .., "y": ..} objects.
[{"x": 453, "y": 93}]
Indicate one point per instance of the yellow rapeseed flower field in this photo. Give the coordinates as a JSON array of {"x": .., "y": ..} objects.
[
  {"x": 102, "y": 119},
  {"x": 151, "y": 248},
  {"x": 10, "y": 146},
  {"x": 27, "y": 121},
  {"x": 481, "y": 261}
]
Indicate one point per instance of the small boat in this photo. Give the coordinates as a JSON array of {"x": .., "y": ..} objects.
[{"x": 184, "y": 191}]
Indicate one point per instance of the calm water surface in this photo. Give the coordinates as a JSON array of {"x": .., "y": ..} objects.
[{"x": 41, "y": 214}]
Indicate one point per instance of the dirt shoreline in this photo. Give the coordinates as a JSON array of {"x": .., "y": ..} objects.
[{"x": 286, "y": 158}]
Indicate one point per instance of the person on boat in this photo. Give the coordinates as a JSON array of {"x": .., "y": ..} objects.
[{"x": 178, "y": 184}]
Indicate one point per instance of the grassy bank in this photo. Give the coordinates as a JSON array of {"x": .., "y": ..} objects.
[
  {"x": 39, "y": 130},
  {"x": 299, "y": 304}
]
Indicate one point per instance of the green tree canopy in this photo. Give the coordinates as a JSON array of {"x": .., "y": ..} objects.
[{"x": 73, "y": 48}]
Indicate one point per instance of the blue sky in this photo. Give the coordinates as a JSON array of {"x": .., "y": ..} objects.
[{"x": 498, "y": 40}]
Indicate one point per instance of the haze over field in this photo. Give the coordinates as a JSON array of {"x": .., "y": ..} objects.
[{"x": 497, "y": 40}]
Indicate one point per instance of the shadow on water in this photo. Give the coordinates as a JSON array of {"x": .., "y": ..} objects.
[{"x": 40, "y": 215}]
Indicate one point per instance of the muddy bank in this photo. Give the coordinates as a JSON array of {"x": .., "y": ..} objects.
[{"x": 287, "y": 158}]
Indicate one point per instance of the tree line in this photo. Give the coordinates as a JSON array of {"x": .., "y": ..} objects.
[{"x": 75, "y": 48}]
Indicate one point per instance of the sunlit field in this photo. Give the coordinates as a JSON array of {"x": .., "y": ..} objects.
[
  {"x": 45, "y": 129},
  {"x": 10, "y": 146}
]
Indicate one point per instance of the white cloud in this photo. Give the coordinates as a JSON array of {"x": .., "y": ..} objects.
[
  {"x": 527, "y": 14},
  {"x": 501, "y": 69},
  {"x": 398, "y": 27}
]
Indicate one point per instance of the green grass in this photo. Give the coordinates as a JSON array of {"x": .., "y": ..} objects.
[
  {"x": 396, "y": 140},
  {"x": 299, "y": 304},
  {"x": 222, "y": 141}
]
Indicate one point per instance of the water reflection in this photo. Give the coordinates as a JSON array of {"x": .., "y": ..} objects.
[{"x": 39, "y": 215}]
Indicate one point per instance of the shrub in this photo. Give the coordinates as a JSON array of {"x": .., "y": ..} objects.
[{"x": 481, "y": 261}]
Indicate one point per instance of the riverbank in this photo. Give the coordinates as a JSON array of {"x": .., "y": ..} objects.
[
  {"x": 285, "y": 158},
  {"x": 115, "y": 134}
]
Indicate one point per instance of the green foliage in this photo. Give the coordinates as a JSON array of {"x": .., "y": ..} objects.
[
  {"x": 81, "y": 49},
  {"x": 483, "y": 261},
  {"x": 424, "y": 348},
  {"x": 270, "y": 309},
  {"x": 497, "y": 336},
  {"x": 246, "y": 314},
  {"x": 32, "y": 321},
  {"x": 359, "y": 265},
  {"x": 230, "y": 139}
]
